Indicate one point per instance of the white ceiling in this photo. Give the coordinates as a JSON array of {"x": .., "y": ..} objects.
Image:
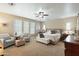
[{"x": 55, "y": 10}]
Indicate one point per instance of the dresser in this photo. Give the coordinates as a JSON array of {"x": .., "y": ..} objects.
[{"x": 71, "y": 46}]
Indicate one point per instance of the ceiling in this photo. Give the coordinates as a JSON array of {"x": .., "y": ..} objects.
[{"x": 54, "y": 10}]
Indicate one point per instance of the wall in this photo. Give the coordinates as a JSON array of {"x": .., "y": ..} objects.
[
  {"x": 9, "y": 19},
  {"x": 61, "y": 23}
]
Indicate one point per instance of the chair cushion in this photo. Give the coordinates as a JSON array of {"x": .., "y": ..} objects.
[
  {"x": 19, "y": 42},
  {"x": 6, "y": 38}
]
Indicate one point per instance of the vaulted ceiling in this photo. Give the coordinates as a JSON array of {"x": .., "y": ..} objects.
[{"x": 54, "y": 10}]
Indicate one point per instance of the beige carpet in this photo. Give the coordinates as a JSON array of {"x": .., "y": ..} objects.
[{"x": 34, "y": 48}]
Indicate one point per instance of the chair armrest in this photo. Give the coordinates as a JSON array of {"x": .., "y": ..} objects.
[
  {"x": 12, "y": 37},
  {"x": 2, "y": 40}
]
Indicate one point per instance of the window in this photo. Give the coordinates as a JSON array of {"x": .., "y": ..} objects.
[
  {"x": 25, "y": 26},
  {"x": 22, "y": 26},
  {"x": 18, "y": 27},
  {"x": 44, "y": 27},
  {"x": 68, "y": 26},
  {"x": 37, "y": 27},
  {"x": 32, "y": 27}
]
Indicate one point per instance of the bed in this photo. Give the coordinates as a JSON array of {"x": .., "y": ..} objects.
[{"x": 51, "y": 36}]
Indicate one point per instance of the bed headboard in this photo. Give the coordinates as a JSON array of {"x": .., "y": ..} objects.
[{"x": 56, "y": 30}]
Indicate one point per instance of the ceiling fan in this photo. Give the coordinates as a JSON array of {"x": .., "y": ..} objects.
[
  {"x": 11, "y": 4},
  {"x": 41, "y": 14}
]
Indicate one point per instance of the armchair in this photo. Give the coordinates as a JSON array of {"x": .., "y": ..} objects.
[
  {"x": 26, "y": 37},
  {"x": 6, "y": 40}
]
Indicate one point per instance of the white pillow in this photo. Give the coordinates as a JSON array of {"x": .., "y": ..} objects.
[{"x": 48, "y": 32}]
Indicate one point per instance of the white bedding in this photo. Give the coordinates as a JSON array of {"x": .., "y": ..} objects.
[
  {"x": 43, "y": 40},
  {"x": 53, "y": 37}
]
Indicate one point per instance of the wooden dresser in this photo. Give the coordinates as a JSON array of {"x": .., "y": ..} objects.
[{"x": 71, "y": 46}]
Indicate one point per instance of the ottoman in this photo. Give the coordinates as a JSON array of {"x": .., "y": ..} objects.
[
  {"x": 19, "y": 42},
  {"x": 27, "y": 39}
]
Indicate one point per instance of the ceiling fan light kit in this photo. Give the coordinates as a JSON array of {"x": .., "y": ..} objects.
[
  {"x": 11, "y": 4},
  {"x": 41, "y": 14}
]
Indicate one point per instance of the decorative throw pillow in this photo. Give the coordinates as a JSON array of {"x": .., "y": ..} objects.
[
  {"x": 53, "y": 32},
  {"x": 41, "y": 35}
]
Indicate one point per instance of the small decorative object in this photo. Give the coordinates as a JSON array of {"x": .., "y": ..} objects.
[{"x": 4, "y": 24}]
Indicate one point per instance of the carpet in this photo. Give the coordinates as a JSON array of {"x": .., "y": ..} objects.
[{"x": 34, "y": 48}]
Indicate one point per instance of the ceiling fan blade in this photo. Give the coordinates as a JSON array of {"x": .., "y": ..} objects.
[{"x": 45, "y": 14}]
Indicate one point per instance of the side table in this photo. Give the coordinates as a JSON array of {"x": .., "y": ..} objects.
[{"x": 1, "y": 49}]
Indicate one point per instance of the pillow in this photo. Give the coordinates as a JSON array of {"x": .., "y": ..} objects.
[
  {"x": 53, "y": 32},
  {"x": 41, "y": 35},
  {"x": 48, "y": 32}
]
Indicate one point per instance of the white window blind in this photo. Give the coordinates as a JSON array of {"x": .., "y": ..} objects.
[
  {"x": 32, "y": 27},
  {"x": 25, "y": 26},
  {"x": 68, "y": 26},
  {"x": 37, "y": 27},
  {"x": 18, "y": 27}
]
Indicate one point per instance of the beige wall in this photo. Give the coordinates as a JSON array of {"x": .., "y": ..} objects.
[
  {"x": 9, "y": 19},
  {"x": 61, "y": 23}
]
